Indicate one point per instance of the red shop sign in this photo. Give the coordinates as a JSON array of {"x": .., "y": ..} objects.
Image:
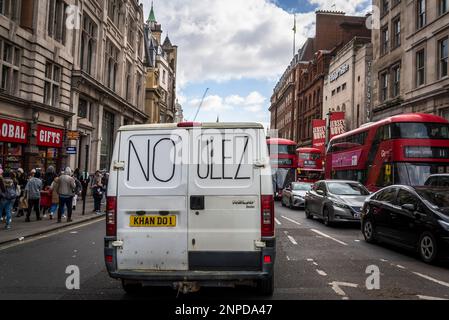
[
  {"x": 13, "y": 131},
  {"x": 49, "y": 137}
]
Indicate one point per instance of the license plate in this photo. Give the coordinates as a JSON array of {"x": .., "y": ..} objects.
[
  {"x": 152, "y": 221},
  {"x": 357, "y": 215}
]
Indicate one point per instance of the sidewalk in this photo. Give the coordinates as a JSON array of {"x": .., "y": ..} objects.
[{"x": 22, "y": 230}]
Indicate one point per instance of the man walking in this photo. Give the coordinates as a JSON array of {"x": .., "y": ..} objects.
[
  {"x": 33, "y": 190},
  {"x": 8, "y": 195},
  {"x": 66, "y": 186}
]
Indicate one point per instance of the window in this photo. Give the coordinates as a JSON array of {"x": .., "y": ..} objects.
[
  {"x": 343, "y": 87},
  {"x": 83, "y": 109},
  {"x": 421, "y": 14},
  {"x": 333, "y": 92},
  {"x": 114, "y": 11},
  {"x": 56, "y": 20},
  {"x": 420, "y": 68},
  {"x": 88, "y": 44},
  {"x": 385, "y": 6},
  {"x": 416, "y": 130},
  {"x": 396, "y": 33},
  {"x": 52, "y": 84},
  {"x": 139, "y": 90},
  {"x": 383, "y": 86},
  {"x": 338, "y": 89},
  {"x": 10, "y": 62},
  {"x": 443, "y": 57},
  {"x": 396, "y": 81},
  {"x": 10, "y": 9},
  {"x": 384, "y": 39},
  {"x": 405, "y": 197},
  {"x": 388, "y": 195},
  {"x": 442, "y": 6},
  {"x": 128, "y": 81},
  {"x": 111, "y": 55}
]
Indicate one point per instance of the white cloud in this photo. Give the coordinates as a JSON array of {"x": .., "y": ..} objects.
[
  {"x": 223, "y": 40},
  {"x": 350, "y": 7}
]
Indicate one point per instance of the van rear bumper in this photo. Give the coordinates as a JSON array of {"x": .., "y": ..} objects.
[{"x": 212, "y": 273}]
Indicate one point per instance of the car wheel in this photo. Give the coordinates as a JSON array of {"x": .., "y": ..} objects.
[
  {"x": 326, "y": 217},
  {"x": 266, "y": 286},
  {"x": 427, "y": 247},
  {"x": 368, "y": 229},
  {"x": 131, "y": 288},
  {"x": 307, "y": 212}
]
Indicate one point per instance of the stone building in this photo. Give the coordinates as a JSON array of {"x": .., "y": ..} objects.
[
  {"x": 347, "y": 84},
  {"x": 68, "y": 66},
  {"x": 108, "y": 80},
  {"x": 35, "y": 96},
  {"x": 161, "y": 64},
  {"x": 410, "y": 49}
]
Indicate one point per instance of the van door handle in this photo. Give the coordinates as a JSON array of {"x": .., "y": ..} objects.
[{"x": 196, "y": 202}]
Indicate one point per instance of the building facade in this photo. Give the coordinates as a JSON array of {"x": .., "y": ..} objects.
[
  {"x": 35, "y": 96},
  {"x": 161, "y": 64},
  {"x": 71, "y": 67},
  {"x": 347, "y": 84},
  {"x": 410, "y": 49},
  {"x": 108, "y": 78}
]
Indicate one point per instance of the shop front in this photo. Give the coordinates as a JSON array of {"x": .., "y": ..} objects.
[
  {"x": 49, "y": 142},
  {"x": 13, "y": 139}
]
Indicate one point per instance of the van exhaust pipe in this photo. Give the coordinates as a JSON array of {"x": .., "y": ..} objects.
[{"x": 186, "y": 287}]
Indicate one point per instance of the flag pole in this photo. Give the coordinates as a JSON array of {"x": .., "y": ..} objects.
[{"x": 294, "y": 35}]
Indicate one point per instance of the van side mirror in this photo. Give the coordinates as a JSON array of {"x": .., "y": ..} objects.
[
  {"x": 320, "y": 192},
  {"x": 409, "y": 207}
]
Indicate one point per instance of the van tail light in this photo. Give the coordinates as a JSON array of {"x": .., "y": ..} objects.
[
  {"x": 267, "y": 216},
  {"x": 111, "y": 216}
]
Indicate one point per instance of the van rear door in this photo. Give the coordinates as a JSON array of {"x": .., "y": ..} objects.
[
  {"x": 151, "y": 202},
  {"x": 224, "y": 192}
]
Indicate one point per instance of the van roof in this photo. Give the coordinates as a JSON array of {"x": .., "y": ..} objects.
[{"x": 204, "y": 125}]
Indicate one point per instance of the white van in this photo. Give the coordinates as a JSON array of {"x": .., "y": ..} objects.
[{"x": 191, "y": 205}]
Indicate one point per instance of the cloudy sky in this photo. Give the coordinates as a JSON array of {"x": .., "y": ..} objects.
[{"x": 236, "y": 48}]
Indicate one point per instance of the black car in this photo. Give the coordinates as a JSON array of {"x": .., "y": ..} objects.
[{"x": 416, "y": 218}]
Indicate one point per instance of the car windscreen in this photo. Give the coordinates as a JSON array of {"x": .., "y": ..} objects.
[
  {"x": 302, "y": 186},
  {"x": 347, "y": 189},
  {"x": 438, "y": 198}
]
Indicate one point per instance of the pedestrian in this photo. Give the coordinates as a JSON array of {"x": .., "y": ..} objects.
[
  {"x": 45, "y": 203},
  {"x": 97, "y": 192},
  {"x": 8, "y": 190},
  {"x": 66, "y": 186},
  {"x": 22, "y": 181},
  {"x": 78, "y": 190},
  {"x": 54, "y": 197},
  {"x": 2, "y": 214},
  {"x": 33, "y": 190}
]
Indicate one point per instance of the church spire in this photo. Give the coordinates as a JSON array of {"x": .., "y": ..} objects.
[{"x": 152, "y": 16}]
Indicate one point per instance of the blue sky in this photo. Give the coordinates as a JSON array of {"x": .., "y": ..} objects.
[{"x": 238, "y": 49}]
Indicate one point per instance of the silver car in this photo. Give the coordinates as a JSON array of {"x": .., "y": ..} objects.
[
  {"x": 294, "y": 195},
  {"x": 336, "y": 201}
]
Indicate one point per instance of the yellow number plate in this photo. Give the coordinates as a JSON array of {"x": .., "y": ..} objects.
[{"x": 152, "y": 221}]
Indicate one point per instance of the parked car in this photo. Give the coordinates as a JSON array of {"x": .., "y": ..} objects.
[
  {"x": 438, "y": 180},
  {"x": 294, "y": 195},
  {"x": 336, "y": 201},
  {"x": 416, "y": 218}
]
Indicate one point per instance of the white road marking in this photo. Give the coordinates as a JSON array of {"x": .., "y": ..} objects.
[
  {"x": 383, "y": 260},
  {"x": 356, "y": 240},
  {"x": 310, "y": 260},
  {"x": 315, "y": 264},
  {"x": 336, "y": 287},
  {"x": 345, "y": 298},
  {"x": 277, "y": 221},
  {"x": 329, "y": 237},
  {"x": 432, "y": 279},
  {"x": 430, "y": 298},
  {"x": 288, "y": 258},
  {"x": 400, "y": 267},
  {"x": 321, "y": 273},
  {"x": 292, "y": 240},
  {"x": 291, "y": 220}
]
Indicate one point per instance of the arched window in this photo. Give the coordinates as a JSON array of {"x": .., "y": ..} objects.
[
  {"x": 343, "y": 107},
  {"x": 338, "y": 108}
]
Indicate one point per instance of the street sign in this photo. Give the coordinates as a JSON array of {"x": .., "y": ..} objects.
[
  {"x": 71, "y": 150},
  {"x": 73, "y": 135}
]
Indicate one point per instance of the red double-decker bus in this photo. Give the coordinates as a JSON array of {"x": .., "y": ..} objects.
[
  {"x": 310, "y": 164},
  {"x": 283, "y": 162},
  {"x": 403, "y": 149}
]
